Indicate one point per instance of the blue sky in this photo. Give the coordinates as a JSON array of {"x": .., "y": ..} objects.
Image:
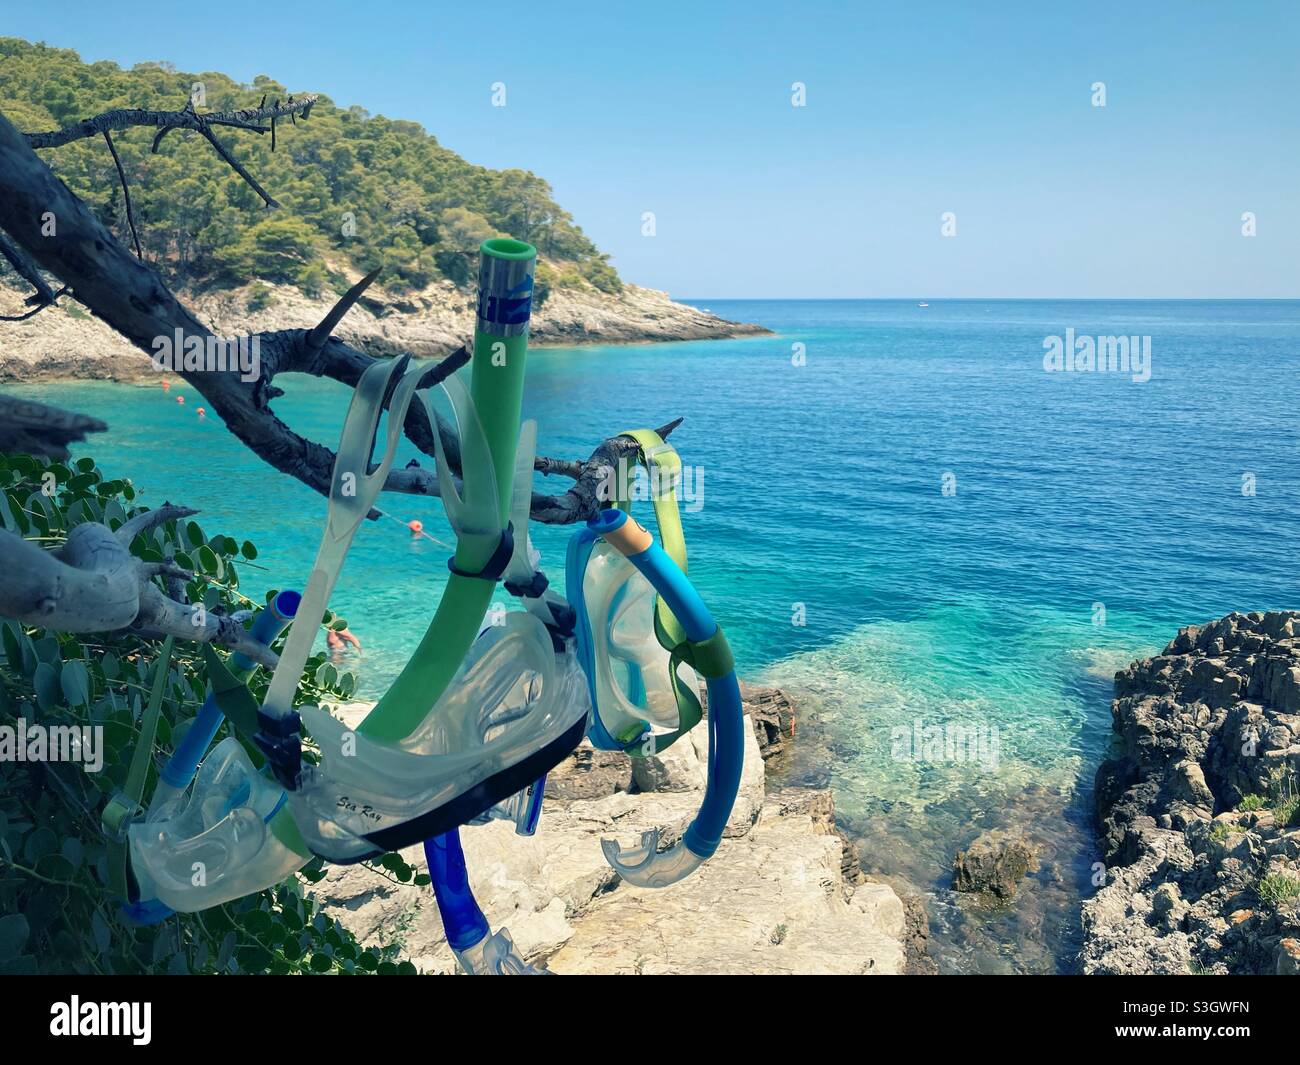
[{"x": 913, "y": 109}]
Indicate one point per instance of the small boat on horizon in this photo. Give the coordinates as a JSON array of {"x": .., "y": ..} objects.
[{"x": 923, "y": 305}]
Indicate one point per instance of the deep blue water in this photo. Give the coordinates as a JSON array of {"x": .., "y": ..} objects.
[{"x": 1092, "y": 516}]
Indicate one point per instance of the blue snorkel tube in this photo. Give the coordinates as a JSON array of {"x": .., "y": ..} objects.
[
  {"x": 176, "y": 775},
  {"x": 708, "y": 653},
  {"x": 479, "y": 951}
]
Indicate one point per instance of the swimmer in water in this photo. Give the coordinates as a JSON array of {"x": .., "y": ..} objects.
[{"x": 338, "y": 641}]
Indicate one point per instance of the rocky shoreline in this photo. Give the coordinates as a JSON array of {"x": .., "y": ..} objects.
[
  {"x": 66, "y": 342},
  {"x": 1199, "y": 812},
  {"x": 784, "y": 894}
]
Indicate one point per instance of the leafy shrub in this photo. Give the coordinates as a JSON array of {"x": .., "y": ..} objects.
[
  {"x": 60, "y": 915},
  {"x": 260, "y": 296},
  {"x": 1277, "y": 889}
]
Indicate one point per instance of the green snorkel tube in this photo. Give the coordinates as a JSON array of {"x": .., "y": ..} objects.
[
  {"x": 496, "y": 388},
  {"x": 415, "y": 767},
  {"x": 433, "y": 754}
]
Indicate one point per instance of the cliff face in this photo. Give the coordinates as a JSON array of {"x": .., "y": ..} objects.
[
  {"x": 1198, "y": 814},
  {"x": 66, "y": 342},
  {"x": 782, "y": 895}
]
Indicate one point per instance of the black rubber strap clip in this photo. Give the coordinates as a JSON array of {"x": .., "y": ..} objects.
[
  {"x": 278, "y": 738},
  {"x": 496, "y": 565},
  {"x": 534, "y": 589}
]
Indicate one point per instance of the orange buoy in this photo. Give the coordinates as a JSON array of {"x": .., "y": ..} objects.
[
  {"x": 180, "y": 399},
  {"x": 202, "y": 413},
  {"x": 416, "y": 526},
  {"x": 167, "y": 385}
]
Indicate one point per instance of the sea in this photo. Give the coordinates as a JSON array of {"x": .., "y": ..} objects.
[{"x": 940, "y": 525}]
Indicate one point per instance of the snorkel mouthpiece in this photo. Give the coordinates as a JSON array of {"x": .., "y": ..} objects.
[{"x": 708, "y": 653}]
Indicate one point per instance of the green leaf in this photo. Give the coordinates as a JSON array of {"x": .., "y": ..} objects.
[
  {"x": 208, "y": 560},
  {"x": 99, "y": 930},
  {"x": 75, "y": 681},
  {"x": 321, "y": 963},
  {"x": 9, "y": 636},
  {"x": 40, "y": 843},
  {"x": 14, "y": 932},
  {"x": 46, "y": 683},
  {"x": 253, "y": 958},
  {"x": 73, "y": 851},
  {"x": 248, "y": 550},
  {"x": 226, "y": 951}
]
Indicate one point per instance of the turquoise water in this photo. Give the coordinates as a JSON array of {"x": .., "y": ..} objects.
[{"x": 1076, "y": 496}]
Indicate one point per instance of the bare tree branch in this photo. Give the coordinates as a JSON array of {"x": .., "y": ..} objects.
[
  {"x": 586, "y": 498},
  {"x": 237, "y": 167},
  {"x": 250, "y": 118},
  {"x": 27, "y": 270},
  {"x": 36, "y": 429},
  {"x": 92, "y": 583},
  {"x": 126, "y": 193},
  {"x": 129, "y": 295}
]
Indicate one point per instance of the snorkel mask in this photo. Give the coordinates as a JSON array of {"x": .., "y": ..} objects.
[
  {"x": 176, "y": 775},
  {"x": 232, "y": 835},
  {"x": 462, "y": 729},
  {"x": 624, "y": 702}
]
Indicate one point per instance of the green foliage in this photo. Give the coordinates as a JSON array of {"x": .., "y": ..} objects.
[
  {"x": 1284, "y": 794},
  {"x": 603, "y": 276},
  {"x": 359, "y": 190},
  {"x": 260, "y": 297},
  {"x": 1252, "y": 802},
  {"x": 60, "y": 915},
  {"x": 1277, "y": 890}
]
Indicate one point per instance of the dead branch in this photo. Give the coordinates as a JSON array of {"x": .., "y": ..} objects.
[
  {"x": 126, "y": 193},
  {"x": 131, "y": 297},
  {"x": 27, "y": 270},
  {"x": 36, "y": 429},
  {"x": 237, "y": 166},
  {"x": 92, "y": 583},
  {"x": 249, "y": 118}
]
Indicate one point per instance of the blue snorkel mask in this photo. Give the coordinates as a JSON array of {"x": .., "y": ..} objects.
[{"x": 704, "y": 649}]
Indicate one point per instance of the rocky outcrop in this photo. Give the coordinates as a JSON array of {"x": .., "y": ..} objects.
[
  {"x": 774, "y": 899},
  {"x": 994, "y": 864},
  {"x": 65, "y": 341},
  {"x": 1199, "y": 831}
]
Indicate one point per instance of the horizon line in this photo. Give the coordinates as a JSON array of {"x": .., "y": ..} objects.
[{"x": 995, "y": 299}]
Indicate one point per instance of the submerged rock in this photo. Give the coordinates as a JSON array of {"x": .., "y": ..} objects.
[
  {"x": 994, "y": 864},
  {"x": 1197, "y": 815}
]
